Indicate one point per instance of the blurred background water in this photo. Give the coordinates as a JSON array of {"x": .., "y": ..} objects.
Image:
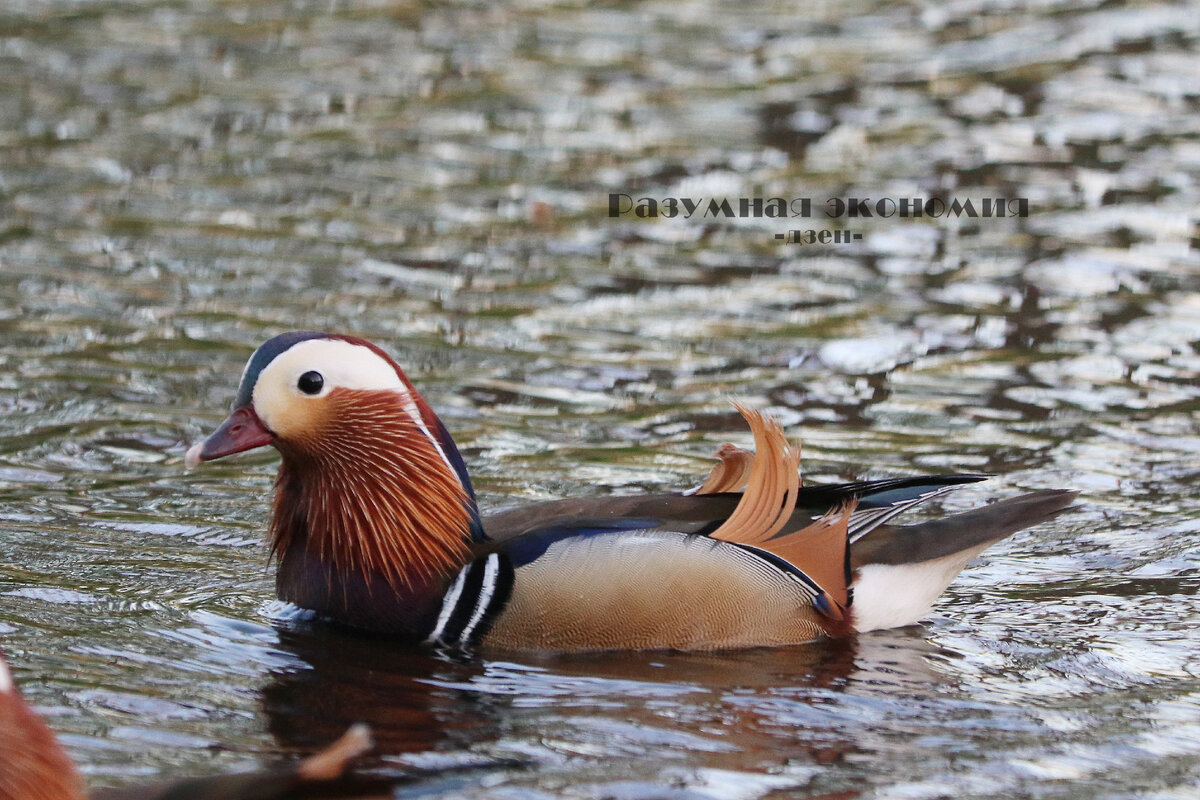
[{"x": 179, "y": 181}]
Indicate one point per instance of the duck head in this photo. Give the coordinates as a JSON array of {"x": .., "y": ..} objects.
[{"x": 371, "y": 486}]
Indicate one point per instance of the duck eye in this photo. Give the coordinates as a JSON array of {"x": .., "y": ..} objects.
[{"x": 310, "y": 382}]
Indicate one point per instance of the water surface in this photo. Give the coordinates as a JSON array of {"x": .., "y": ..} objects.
[{"x": 180, "y": 181}]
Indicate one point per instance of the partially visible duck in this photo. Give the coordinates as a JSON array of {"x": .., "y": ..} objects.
[
  {"x": 375, "y": 526},
  {"x": 34, "y": 766}
]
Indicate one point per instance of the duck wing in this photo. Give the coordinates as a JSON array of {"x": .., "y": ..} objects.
[
  {"x": 877, "y": 502},
  {"x": 717, "y": 567}
]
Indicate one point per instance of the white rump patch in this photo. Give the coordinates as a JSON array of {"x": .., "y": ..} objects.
[{"x": 895, "y": 595}]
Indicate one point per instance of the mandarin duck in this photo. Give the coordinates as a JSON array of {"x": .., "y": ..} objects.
[
  {"x": 34, "y": 766},
  {"x": 375, "y": 526}
]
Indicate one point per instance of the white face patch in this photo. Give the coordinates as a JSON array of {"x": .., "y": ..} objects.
[
  {"x": 340, "y": 365},
  {"x": 281, "y": 403}
]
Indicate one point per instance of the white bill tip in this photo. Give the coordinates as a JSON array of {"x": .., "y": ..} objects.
[{"x": 192, "y": 457}]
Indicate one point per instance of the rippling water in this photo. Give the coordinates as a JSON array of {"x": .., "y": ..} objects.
[{"x": 180, "y": 181}]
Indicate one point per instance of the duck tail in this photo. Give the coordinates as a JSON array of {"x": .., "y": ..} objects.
[{"x": 900, "y": 570}]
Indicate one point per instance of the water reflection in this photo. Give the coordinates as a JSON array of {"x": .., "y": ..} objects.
[
  {"x": 345, "y": 678},
  {"x": 438, "y": 714}
]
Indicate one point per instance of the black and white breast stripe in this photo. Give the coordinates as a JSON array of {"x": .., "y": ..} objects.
[
  {"x": 817, "y": 595},
  {"x": 479, "y": 593},
  {"x": 794, "y": 573}
]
